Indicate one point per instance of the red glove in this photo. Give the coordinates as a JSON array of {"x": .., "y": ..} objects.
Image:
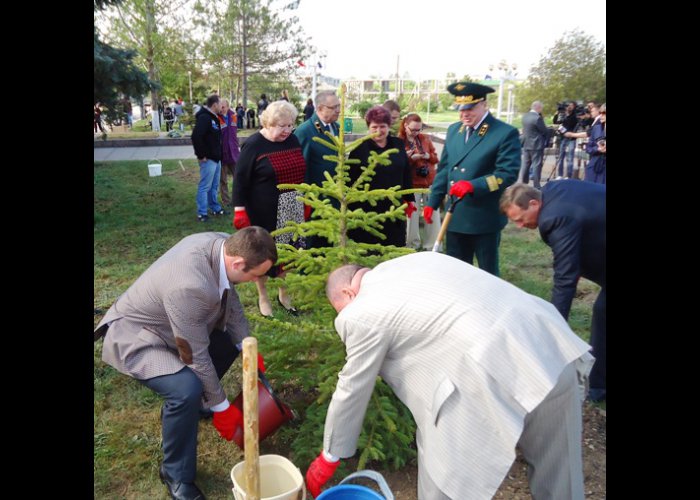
[
  {"x": 261, "y": 363},
  {"x": 226, "y": 421},
  {"x": 307, "y": 212},
  {"x": 410, "y": 208},
  {"x": 460, "y": 188},
  {"x": 428, "y": 214},
  {"x": 241, "y": 219},
  {"x": 318, "y": 474}
]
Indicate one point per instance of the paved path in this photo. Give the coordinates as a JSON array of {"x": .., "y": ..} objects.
[
  {"x": 144, "y": 153},
  {"x": 187, "y": 153}
]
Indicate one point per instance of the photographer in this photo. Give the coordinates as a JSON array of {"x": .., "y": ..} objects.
[
  {"x": 567, "y": 148},
  {"x": 422, "y": 159},
  {"x": 596, "y": 147}
]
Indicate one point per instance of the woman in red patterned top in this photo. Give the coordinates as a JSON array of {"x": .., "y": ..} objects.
[{"x": 270, "y": 157}]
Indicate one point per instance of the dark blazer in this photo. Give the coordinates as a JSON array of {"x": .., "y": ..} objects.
[
  {"x": 206, "y": 136},
  {"x": 572, "y": 223},
  {"x": 535, "y": 132},
  {"x": 490, "y": 160},
  {"x": 313, "y": 151}
]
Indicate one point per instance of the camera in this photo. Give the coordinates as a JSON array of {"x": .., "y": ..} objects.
[
  {"x": 601, "y": 142},
  {"x": 422, "y": 171}
]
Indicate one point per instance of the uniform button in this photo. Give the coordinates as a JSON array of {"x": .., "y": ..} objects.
[
  {"x": 462, "y": 170},
  {"x": 454, "y": 168},
  {"x": 452, "y": 182}
]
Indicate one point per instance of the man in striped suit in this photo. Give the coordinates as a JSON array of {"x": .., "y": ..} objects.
[
  {"x": 177, "y": 329},
  {"x": 482, "y": 365}
]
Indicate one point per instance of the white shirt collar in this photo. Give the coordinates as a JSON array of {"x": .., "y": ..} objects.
[
  {"x": 223, "y": 279},
  {"x": 476, "y": 127}
]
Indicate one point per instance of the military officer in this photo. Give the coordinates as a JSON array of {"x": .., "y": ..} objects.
[{"x": 481, "y": 158}]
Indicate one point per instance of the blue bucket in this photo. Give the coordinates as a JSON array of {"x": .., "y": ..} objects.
[{"x": 357, "y": 492}]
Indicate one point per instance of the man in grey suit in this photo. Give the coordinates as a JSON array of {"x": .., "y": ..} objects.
[
  {"x": 535, "y": 135},
  {"x": 177, "y": 330},
  {"x": 482, "y": 365}
]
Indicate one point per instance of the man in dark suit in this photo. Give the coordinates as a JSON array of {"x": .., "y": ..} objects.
[
  {"x": 178, "y": 328},
  {"x": 571, "y": 218},
  {"x": 324, "y": 119},
  {"x": 535, "y": 134},
  {"x": 481, "y": 157}
]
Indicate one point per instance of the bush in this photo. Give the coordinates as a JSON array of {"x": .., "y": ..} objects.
[{"x": 362, "y": 107}]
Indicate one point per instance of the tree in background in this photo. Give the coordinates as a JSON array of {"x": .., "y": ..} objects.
[
  {"x": 573, "y": 69},
  {"x": 160, "y": 33},
  {"x": 115, "y": 73},
  {"x": 251, "y": 44}
]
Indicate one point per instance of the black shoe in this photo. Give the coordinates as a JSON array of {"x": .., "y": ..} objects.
[
  {"x": 203, "y": 218},
  {"x": 291, "y": 310},
  {"x": 205, "y": 414},
  {"x": 223, "y": 211},
  {"x": 180, "y": 491}
]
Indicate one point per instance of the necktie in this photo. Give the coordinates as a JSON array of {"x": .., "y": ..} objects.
[
  {"x": 470, "y": 131},
  {"x": 328, "y": 128}
]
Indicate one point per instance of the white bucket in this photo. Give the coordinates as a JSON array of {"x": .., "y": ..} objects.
[
  {"x": 154, "y": 169},
  {"x": 280, "y": 479}
]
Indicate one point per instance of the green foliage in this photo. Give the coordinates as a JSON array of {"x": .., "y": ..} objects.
[
  {"x": 251, "y": 45},
  {"x": 362, "y": 107},
  {"x": 389, "y": 429},
  {"x": 333, "y": 221},
  {"x": 573, "y": 69},
  {"x": 115, "y": 73}
]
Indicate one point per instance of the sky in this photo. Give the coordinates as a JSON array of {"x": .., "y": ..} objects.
[{"x": 362, "y": 38}]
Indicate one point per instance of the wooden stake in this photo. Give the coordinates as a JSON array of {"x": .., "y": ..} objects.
[{"x": 250, "y": 417}]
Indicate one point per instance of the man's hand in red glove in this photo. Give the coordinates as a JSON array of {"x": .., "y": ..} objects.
[
  {"x": 460, "y": 188},
  {"x": 428, "y": 214},
  {"x": 226, "y": 421},
  {"x": 261, "y": 363},
  {"x": 320, "y": 471},
  {"x": 307, "y": 212},
  {"x": 410, "y": 208},
  {"x": 241, "y": 219}
]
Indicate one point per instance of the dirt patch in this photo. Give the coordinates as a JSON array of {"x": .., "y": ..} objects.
[{"x": 404, "y": 482}]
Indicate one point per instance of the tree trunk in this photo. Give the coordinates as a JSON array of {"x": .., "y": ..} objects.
[
  {"x": 150, "y": 30},
  {"x": 244, "y": 58}
]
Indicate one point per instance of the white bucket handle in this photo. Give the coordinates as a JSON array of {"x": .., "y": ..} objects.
[
  {"x": 376, "y": 477},
  {"x": 154, "y": 160}
]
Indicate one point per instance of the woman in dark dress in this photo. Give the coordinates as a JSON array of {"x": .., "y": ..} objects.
[
  {"x": 269, "y": 157},
  {"x": 397, "y": 174},
  {"x": 309, "y": 109}
]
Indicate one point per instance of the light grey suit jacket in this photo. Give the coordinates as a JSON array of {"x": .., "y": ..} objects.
[
  {"x": 469, "y": 354},
  {"x": 535, "y": 132},
  {"x": 163, "y": 321}
]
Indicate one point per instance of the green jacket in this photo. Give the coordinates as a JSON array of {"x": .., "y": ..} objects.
[
  {"x": 490, "y": 160},
  {"x": 313, "y": 151}
]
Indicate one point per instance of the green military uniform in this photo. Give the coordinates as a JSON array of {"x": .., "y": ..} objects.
[
  {"x": 490, "y": 160},
  {"x": 313, "y": 151},
  {"x": 315, "y": 164}
]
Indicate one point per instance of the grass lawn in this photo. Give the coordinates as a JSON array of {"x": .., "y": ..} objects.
[{"x": 136, "y": 219}]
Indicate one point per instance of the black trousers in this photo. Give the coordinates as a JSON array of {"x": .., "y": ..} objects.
[
  {"x": 180, "y": 416},
  {"x": 484, "y": 246}
]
